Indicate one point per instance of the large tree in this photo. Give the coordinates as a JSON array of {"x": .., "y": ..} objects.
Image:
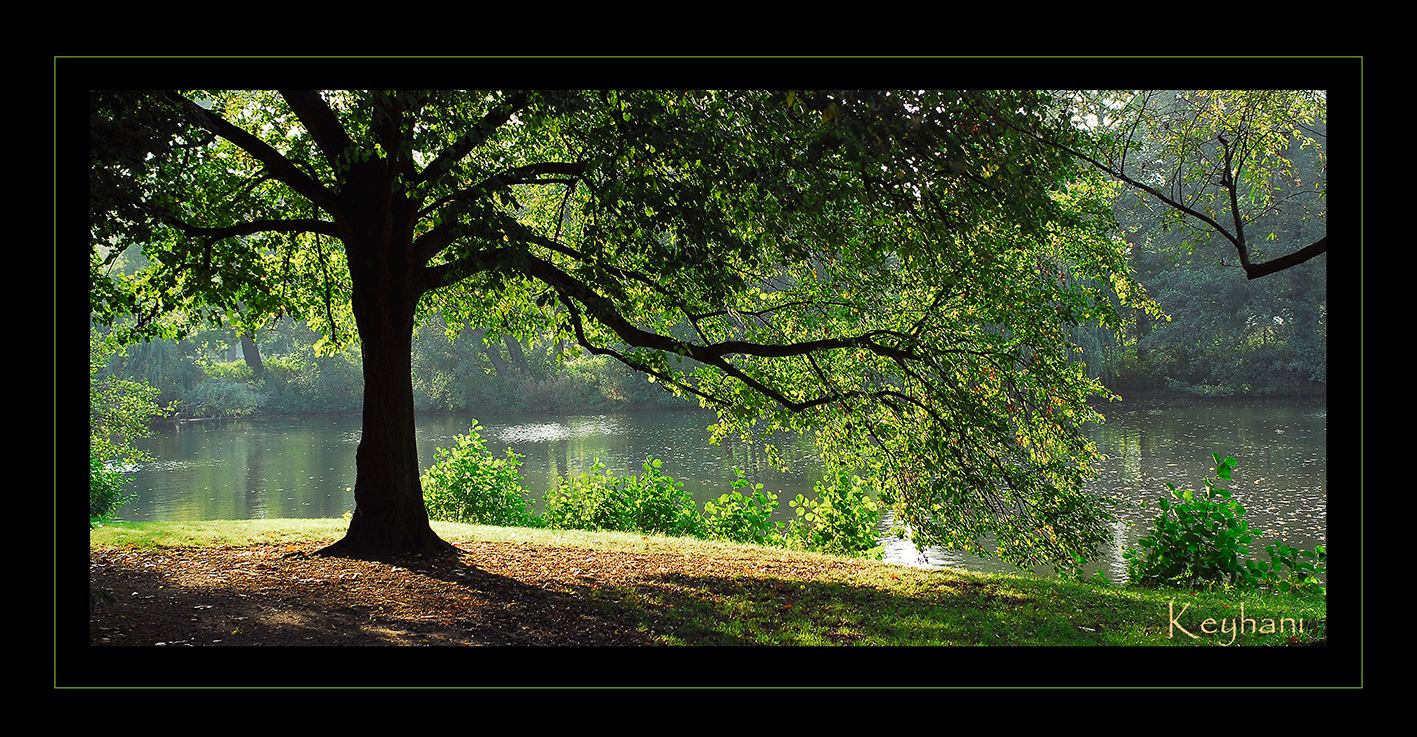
[{"x": 895, "y": 270}]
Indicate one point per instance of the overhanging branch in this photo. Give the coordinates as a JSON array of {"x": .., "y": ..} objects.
[
  {"x": 1255, "y": 271},
  {"x": 1252, "y": 271},
  {"x": 606, "y": 313}
]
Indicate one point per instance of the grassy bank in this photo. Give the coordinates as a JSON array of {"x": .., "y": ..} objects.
[{"x": 776, "y": 597}]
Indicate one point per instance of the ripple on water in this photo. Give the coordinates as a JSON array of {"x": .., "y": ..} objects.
[
  {"x": 171, "y": 465},
  {"x": 534, "y": 432}
]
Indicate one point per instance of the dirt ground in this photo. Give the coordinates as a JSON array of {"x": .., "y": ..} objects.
[{"x": 494, "y": 594}]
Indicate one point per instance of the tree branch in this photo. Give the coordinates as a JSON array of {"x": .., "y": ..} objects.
[
  {"x": 579, "y": 328},
  {"x": 490, "y": 122},
  {"x": 280, "y": 168},
  {"x": 1252, "y": 271},
  {"x": 320, "y": 120},
  {"x": 605, "y": 312},
  {"x": 446, "y": 274},
  {"x": 1255, "y": 271},
  {"x": 434, "y": 241}
]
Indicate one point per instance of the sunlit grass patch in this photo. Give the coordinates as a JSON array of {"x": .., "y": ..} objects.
[{"x": 217, "y": 532}]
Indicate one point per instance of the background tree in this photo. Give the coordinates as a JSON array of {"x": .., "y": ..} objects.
[
  {"x": 1244, "y": 172},
  {"x": 1220, "y": 162},
  {"x": 894, "y": 269}
]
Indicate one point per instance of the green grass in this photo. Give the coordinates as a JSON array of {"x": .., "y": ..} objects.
[
  {"x": 289, "y": 531},
  {"x": 217, "y": 532},
  {"x": 894, "y": 606},
  {"x": 877, "y": 604}
]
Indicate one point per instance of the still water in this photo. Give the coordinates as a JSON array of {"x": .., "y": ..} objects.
[{"x": 304, "y": 467}]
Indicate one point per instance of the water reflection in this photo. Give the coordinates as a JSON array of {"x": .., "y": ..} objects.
[
  {"x": 1281, "y": 478},
  {"x": 304, "y": 467}
]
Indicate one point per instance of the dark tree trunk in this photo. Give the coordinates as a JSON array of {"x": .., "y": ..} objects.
[
  {"x": 1143, "y": 330},
  {"x": 514, "y": 352},
  {"x": 494, "y": 354},
  {"x": 252, "y": 354},
  {"x": 389, "y": 514}
]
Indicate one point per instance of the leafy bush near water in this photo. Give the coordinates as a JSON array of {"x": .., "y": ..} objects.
[
  {"x": 106, "y": 492},
  {"x": 841, "y": 520},
  {"x": 652, "y": 503},
  {"x": 1199, "y": 540},
  {"x": 743, "y": 519},
  {"x": 119, "y": 411},
  {"x": 468, "y": 484}
]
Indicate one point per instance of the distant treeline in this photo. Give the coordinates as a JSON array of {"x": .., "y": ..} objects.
[{"x": 277, "y": 372}]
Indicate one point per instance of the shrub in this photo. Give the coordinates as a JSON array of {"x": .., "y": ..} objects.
[
  {"x": 119, "y": 411},
  {"x": 304, "y": 383},
  {"x": 659, "y": 504},
  {"x": 105, "y": 491},
  {"x": 338, "y": 385},
  {"x": 744, "y": 519},
  {"x": 840, "y": 521},
  {"x": 236, "y": 370},
  {"x": 1199, "y": 540},
  {"x": 1298, "y": 575},
  {"x": 652, "y": 503},
  {"x": 467, "y": 484},
  {"x": 222, "y": 398},
  {"x": 585, "y": 502}
]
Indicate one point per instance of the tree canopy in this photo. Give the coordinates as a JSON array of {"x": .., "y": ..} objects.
[
  {"x": 894, "y": 270},
  {"x": 1220, "y": 163}
]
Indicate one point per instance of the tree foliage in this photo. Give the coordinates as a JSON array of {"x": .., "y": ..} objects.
[
  {"x": 119, "y": 412},
  {"x": 1230, "y": 336},
  {"x": 1225, "y": 332},
  {"x": 1225, "y": 163},
  {"x": 896, "y": 270}
]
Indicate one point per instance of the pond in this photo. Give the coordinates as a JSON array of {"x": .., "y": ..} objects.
[{"x": 304, "y": 467}]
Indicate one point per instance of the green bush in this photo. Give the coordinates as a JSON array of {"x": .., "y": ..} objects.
[
  {"x": 585, "y": 502},
  {"x": 840, "y": 521},
  {"x": 652, "y": 503},
  {"x": 236, "y": 370},
  {"x": 1286, "y": 570},
  {"x": 304, "y": 383},
  {"x": 119, "y": 411},
  {"x": 744, "y": 519},
  {"x": 1200, "y": 540},
  {"x": 659, "y": 504},
  {"x": 221, "y": 398},
  {"x": 1197, "y": 540},
  {"x": 467, "y": 484},
  {"x": 105, "y": 491}
]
